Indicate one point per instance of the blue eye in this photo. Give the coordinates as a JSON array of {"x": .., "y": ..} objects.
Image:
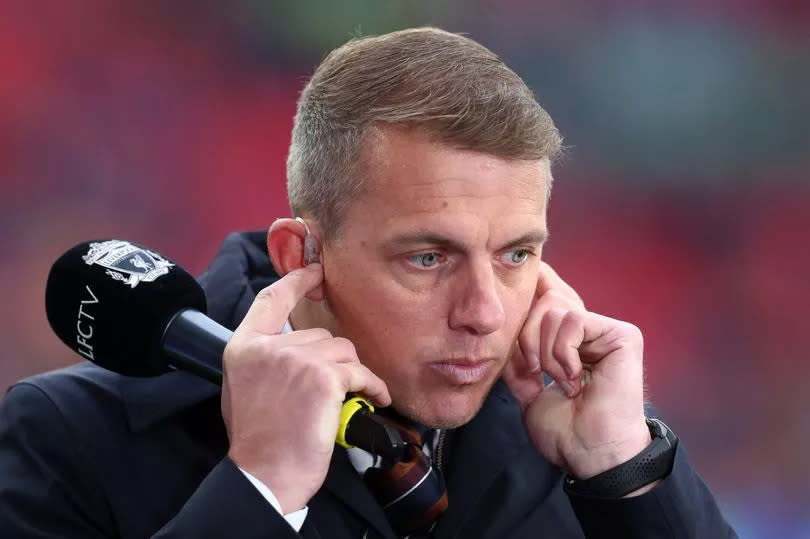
[
  {"x": 518, "y": 257},
  {"x": 425, "y": 260}
]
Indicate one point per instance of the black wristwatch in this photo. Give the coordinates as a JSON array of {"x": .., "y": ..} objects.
[{"x": 654, "y": 463}]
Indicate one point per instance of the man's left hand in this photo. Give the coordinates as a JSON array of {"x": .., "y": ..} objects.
[{"x": 591, "y": 418}]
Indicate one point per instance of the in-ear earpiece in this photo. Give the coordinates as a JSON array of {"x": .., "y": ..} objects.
[{"x": 312, "y": 254}]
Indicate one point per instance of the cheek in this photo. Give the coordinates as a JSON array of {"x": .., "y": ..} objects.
[
  {"x": 380, "y": 317},
  {"x": 370, "y": 291}
]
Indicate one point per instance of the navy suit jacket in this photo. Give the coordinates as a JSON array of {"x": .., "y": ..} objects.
[{"x": 86, "y": 453}]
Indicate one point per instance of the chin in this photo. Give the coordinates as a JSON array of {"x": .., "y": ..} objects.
[{"x": 447, "y": 409}]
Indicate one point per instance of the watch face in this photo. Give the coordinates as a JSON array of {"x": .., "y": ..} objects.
[{"x": 658, "y": 429}]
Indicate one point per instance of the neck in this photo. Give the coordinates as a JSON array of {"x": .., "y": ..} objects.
[{"x": 312, "y": 314}]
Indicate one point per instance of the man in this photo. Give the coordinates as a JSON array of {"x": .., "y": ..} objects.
[{"x": 419, "y": 173}]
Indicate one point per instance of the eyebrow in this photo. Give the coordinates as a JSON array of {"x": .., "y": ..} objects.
[{"x": 535, "y": 237}]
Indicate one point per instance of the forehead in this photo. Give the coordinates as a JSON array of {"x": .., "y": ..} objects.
[{"x": 412, "y": 180}]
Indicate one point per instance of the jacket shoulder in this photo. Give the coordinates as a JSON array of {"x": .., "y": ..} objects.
[
  {"x": 81, "y": 376},
  {"x": 77, "y": 393},
  {"x": 46, "y": 465}
]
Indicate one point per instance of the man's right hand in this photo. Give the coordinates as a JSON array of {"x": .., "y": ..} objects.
[{"x": 282, "y": 394}]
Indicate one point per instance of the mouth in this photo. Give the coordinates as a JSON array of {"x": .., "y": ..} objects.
[{"x": 463, "y": 371}]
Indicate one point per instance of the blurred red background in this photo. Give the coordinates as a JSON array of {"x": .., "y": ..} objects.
[{"x": 684, "y": 204}]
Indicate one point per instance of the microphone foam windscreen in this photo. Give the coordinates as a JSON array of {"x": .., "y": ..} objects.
[{"x": 111, "y": 300}]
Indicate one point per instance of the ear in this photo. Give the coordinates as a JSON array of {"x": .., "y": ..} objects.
[{"x": 286, "y": 241}]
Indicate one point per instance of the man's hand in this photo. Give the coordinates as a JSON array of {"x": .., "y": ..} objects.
[
  {"x": 591, "y": 418},
  {"x": 282, "y": 394}
]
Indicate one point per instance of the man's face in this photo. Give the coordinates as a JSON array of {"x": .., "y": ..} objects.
[{"x": 435, "y": 270}]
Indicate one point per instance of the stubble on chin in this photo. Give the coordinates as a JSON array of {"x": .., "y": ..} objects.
[{"x": 438, "y": 415}]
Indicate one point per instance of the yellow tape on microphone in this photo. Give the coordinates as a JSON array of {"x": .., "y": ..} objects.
[{"x": 350, "y": 407}]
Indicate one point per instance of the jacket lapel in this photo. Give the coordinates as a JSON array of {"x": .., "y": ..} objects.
[
  {"x": 484, "y": 447},
  {"x": 345, "y": 483}
]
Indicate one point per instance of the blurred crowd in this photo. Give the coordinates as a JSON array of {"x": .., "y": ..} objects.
[{"x": 682, "y": 205}]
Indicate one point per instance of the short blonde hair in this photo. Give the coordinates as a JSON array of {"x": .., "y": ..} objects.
[{"x": 455, "y": 89}]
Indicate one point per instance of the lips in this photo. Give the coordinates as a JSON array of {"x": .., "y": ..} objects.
[{"x": 463, "y": 371}]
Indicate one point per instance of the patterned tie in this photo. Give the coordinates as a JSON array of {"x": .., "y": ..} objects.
[{"x": 411, "y": 491}]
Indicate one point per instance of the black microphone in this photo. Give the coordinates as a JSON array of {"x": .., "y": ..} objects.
[{"x": 132, "y": 311}]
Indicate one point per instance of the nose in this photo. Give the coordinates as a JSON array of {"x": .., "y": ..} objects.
[{"x": 477, "y": 308}]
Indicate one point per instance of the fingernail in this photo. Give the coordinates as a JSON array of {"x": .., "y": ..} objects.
[
  {"x": 534, "y": 363},
  {"x": 568, "y": 370},
  {"x": 568, "y": 388}
]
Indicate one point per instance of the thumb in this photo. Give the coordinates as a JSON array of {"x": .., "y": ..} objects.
[
  {"x": 524, "y": 385},
  {"x": 273, "y": 304}
]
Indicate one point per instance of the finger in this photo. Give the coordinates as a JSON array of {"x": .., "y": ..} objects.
[
  {"x": 529, "y": 337},
  {"x": 273, "y": 304},
  {"x": 550, "y": 280},
  {"x": 357, "y": 378},
  {"x": 304, "y": 336},
  {"x": 523, "y": 384},
  {"x": 602, "y": 336},
  {"x": 334, "y": 350},
  {"x": 613, "y": 350},
  {"x": 549, "y": 328},
  {"x": 566, "y": 346}
]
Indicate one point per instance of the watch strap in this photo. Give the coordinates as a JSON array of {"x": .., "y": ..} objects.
[{"x": 653, "y": 463}]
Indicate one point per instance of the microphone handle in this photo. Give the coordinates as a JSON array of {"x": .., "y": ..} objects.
[{"x": 195, "y": 344}]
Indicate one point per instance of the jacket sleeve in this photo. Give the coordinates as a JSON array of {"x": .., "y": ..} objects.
[
  {"x": 679, "y": 507},
  {"x": 227, "y": 505},
  {"x": 49, "y": 489}
]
